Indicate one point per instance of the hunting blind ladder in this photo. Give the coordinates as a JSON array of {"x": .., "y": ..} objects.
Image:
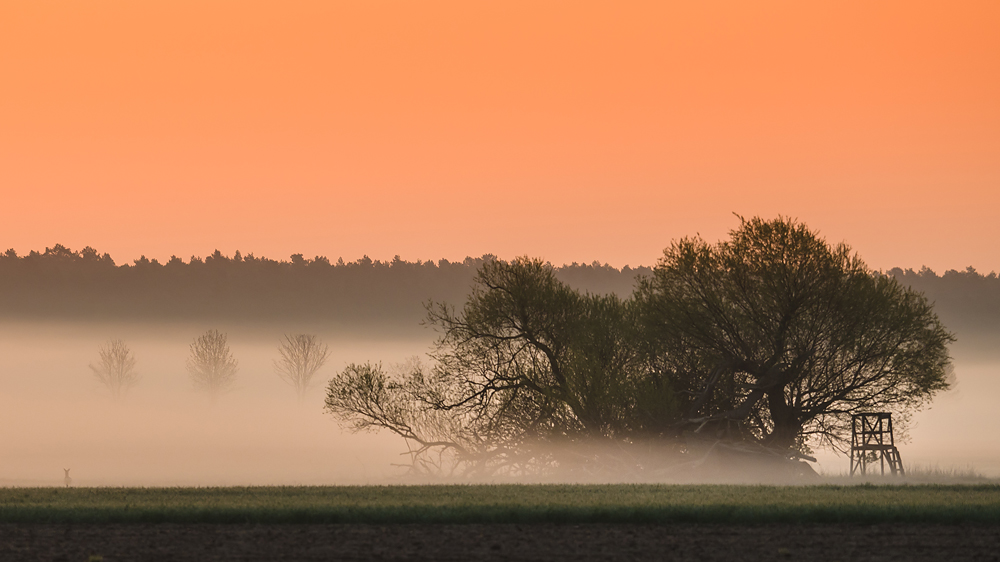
[{"x": 872, "y": 441}]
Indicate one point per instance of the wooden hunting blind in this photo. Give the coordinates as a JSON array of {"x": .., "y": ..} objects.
[{"x": 872, "y": 441}]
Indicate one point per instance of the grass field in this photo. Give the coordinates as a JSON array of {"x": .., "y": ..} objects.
[{"x": 506, "y": 504}]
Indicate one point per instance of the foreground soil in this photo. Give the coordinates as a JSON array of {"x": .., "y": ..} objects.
[{"x": 210, "y": 542}]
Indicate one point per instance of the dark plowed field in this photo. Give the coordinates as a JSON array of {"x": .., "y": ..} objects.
[{"x": 210, "y": 542}]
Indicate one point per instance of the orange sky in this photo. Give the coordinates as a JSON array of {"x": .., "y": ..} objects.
[{"x": 569, "y": 130}]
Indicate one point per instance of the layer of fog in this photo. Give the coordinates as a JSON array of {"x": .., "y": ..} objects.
[
  {"x": 959, "y": 431},
  {"x": 54, "y": 414}
]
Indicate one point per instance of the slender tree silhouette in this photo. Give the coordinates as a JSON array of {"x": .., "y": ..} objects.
[
  {"x": 116, "y": 368},
  {"x": 211, "y": 364},
  {"x": 301, "y": 356}
]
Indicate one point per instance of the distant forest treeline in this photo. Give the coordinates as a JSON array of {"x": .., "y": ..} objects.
[
  {"x": 65, "y": 284},
  {"x": 968, "y": 302}
]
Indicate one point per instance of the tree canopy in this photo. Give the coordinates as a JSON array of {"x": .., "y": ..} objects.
[
  {"x": 772, "y": 337},
  {"x": 789, "y": 335},
  {"x": 527, "y": 363}
]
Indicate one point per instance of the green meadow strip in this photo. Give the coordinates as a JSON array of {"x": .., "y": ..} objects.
[{"x": 570, "y": 504}]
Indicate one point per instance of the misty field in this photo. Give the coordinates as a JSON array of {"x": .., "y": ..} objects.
[{"x": 634, "y": 504}]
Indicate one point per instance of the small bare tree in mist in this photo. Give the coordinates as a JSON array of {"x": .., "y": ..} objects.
[
  {"x": 301, "y": 356},
  {"x": 116, "y": 368},
  {"x": 211, "y": 364}
]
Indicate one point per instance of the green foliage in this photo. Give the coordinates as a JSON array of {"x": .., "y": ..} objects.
[
  {"x": 367, "y": 397},
  {"x": 522, "y": 331},
  {"x": 622, "y": 503},
  {"x": 528, "y": 363},
  {"x": 778, "y": 330}
]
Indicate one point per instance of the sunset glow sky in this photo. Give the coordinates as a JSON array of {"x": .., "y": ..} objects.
[{"x": 572, "y": 131}]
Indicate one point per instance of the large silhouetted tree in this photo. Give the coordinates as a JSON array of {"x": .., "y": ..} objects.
[
  {"x": 116, "y": 368},
  {"x": 772, "y": 337},
  {"x": 527, "y": 363},
  {"x": 211, "y": 364},
  {"x": 787, "y": 335}
]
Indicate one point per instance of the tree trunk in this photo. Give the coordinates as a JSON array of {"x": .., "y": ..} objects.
[{"x": 785, "y": 418}]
